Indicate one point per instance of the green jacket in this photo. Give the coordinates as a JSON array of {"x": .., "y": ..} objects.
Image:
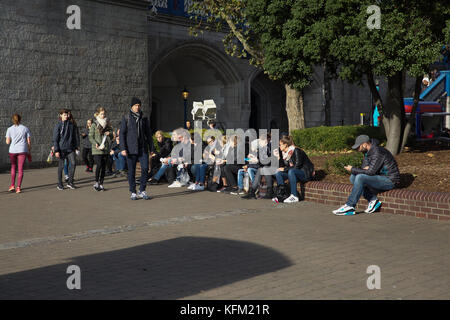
[{"x": 96, "y": 138}]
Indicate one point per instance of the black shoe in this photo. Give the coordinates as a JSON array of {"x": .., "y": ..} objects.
[
  {"x": 249, "y": 195},
  {"x": 230, "y": 190},
  {"x": 60, "y": 187},
  {"x": 71, "y": 186},
  {"x": 154, "y": 182}
]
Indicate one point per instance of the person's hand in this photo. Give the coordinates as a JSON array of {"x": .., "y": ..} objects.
[
  {"x": 96, "y": 146},
  {"x": 124, "y": 153},
  {"x": 57, "y": 154},
  {"x": 107, "y": 133},
  {"x": 276, "y": 153},
  {"x": 111, "y": 152},
  {"x": 348, "y": 168},
  {"x": 366, "y": 168},
  {"x": 280, "y": 169}
]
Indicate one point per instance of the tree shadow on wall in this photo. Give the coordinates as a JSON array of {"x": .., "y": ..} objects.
[{"x": 169, "y": 269}]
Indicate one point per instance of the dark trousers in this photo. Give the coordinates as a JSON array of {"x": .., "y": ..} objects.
[
  {"x": 257, "y": 180},
  {"x": 72, "y": 165},
  {"x": 100, "y": 167},
  {"x": 231, "y": 171},
  {"x": 132, "y": 159},
  {"x": 87, "y": 157}
]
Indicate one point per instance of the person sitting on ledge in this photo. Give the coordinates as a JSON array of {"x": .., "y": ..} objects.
[{"x": 379, "y": 171}]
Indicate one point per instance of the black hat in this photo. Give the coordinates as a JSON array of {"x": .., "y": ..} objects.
[{"x": 134, "y": 101}]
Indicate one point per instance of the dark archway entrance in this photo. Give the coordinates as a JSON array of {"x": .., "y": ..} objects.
[
  {"x": 268, "y": 104},
  {"x": 206, "y": 76}
]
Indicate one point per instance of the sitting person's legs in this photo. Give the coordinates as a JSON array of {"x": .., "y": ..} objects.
[
  {"x": 295, "y": 175},
  {"x": 362, "y": 183},
  {"x": 161, "y": 171}
]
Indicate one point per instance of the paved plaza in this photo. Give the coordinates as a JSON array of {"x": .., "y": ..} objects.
[{"x": 203, "y": 245}]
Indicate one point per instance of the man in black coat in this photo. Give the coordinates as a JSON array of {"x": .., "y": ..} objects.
[{"x": 135, "y": 143}]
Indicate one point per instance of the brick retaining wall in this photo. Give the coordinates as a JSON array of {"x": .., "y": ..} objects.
[{"x": 421, "y": 204}]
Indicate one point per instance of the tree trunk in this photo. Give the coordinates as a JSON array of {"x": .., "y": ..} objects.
[
  {"x": 412, "y": 117},
  {"x": 326, "y": 94},
  {"x": 394, "y": 113},
  {"x": 294, "y": 108},
  {"x": 378, "y": 101}
]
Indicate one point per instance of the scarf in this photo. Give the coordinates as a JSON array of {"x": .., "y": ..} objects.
[
  {"x": 137, "y": 117},
  {"x": 102, "y": 122},
  {"x": 288, "y": 154}
]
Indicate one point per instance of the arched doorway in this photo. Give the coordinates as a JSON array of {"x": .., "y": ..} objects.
[{"x": 206, "y": 74}]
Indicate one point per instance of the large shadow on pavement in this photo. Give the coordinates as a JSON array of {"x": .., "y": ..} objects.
[{"x": 169, "y": 269}]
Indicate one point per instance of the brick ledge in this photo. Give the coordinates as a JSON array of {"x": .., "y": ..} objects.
[{"x": 421, "y": 204}]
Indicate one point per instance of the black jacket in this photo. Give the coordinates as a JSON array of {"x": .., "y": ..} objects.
[
  {"x": 299, "y": 160},
  {"x": 165, "y": 147},
  {"x": 66, "y": 137},
  {"x": 85, "y": 139},
  {"x": 380, "y": 162},
  {"x": 129, "y": 136}
]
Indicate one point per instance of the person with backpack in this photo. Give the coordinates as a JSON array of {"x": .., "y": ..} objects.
[
  {"x": 100, "y": 136},
  {"x": 296, "y": 166},
  {"x": 66, "y": 142},
  {"x": 18, "y": 138},
  {"x": 136, "y": 142}
]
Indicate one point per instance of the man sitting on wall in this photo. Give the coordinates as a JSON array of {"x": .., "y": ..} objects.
[{"x": 379, "y": 171}]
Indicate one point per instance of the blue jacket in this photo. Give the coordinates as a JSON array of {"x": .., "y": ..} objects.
[{"x": 129, "y": 136}]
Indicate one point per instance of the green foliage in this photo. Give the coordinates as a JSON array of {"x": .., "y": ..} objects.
[
  {"x": 334, "y": 138},
  {"x": 336, "y": 165}
]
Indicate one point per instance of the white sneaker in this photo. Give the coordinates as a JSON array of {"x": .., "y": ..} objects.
[
  {"x": 198, "y": 187},
  {"x": 175, "y": 184},
  {"x": 191, "y": 186},
  {"x": 291, "y": 199},
  {"x": 373, "y": 206},
  {"x": 345, "y": 210}
]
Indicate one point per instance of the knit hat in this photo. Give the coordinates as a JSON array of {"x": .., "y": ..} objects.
[{"x": 134, "y": 101}]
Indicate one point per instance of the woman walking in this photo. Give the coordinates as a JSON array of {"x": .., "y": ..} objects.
[
  {"x": 100, "y": 135},
  {"x": 18, "y": 138},
  {"x": 87, "y": 147}
]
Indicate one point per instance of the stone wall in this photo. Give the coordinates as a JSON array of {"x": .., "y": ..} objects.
[{"x": 45, "y": 66}]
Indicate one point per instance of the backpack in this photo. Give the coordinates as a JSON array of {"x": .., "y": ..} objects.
[{"x": 282, "y": 192}]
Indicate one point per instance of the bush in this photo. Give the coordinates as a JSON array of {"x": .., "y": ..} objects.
[
  {"x": 336, "y": 165},
  {"x": 337, "y": 138}
]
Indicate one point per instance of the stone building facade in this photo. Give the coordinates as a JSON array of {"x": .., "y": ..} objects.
[{"x": 140, "y": 48}]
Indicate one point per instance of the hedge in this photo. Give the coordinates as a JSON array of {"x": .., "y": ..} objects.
[
  {"x": 336, "y": 165},
  {"x": 337, "y": 138}
]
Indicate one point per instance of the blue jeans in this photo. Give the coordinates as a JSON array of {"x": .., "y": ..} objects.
[
  {"x": 293, "y": 175},
  {"x": 362, "y": 184},
  {"x": 241, "y": 172},
  {"x": 132, "y": 159},
  {"x": 66, "y": 167},
  {"x": 161, "y": 171},
  {"x": 199, "y": 171},
  {"x": 120, "y": 161}
]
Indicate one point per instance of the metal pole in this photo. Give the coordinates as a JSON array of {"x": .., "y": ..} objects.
[{"x": 185, "y": 107}]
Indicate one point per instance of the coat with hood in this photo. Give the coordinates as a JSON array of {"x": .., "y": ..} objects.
[{"x": 96, "y": 134}]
